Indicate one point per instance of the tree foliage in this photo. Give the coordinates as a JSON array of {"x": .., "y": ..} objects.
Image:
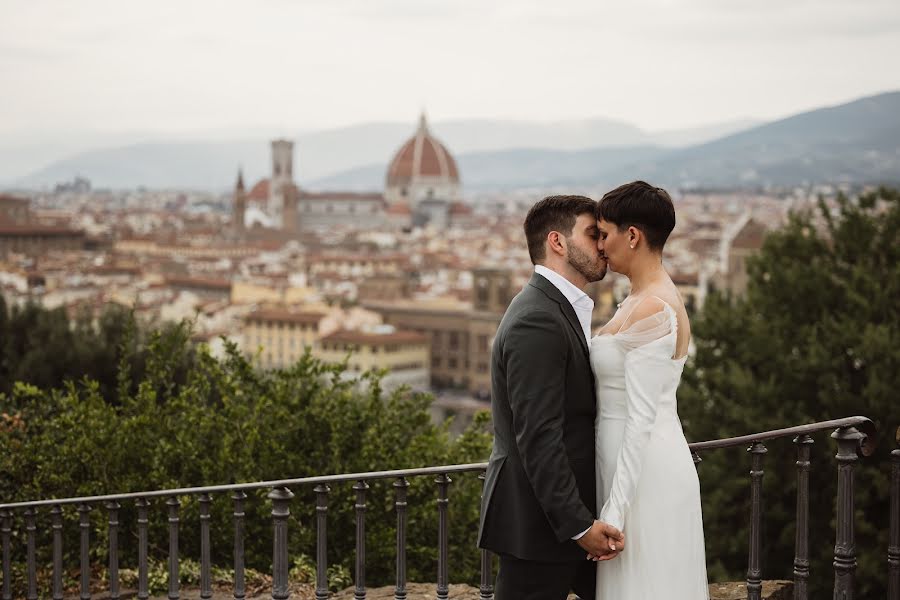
[
  {"x": 816, "y": 337},
  {"x": 175, "y": 416}
]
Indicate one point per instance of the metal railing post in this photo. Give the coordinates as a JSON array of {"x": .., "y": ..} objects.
[
  {"x": 359, "y": 592},
  {"x": 281, "y": 498},
  {"x": 801, "y": 540},
  {"x": 238, "y": 514},
  {"x": 112, "y": 508},
  {"x": 894, "y": 539},
  {"x": 848, "y": 439},
  {"x": 400, "y": 490},
  {"x": 754, "y": 571},
  {"x": 322, "y": 591},
  {"x": 30, "y": 534},
  {"x": 205, "y": 580},
  {"x": 174, "y": 583},
  {"x": 84, "y": 523},
  {"x": 56, "y": 525}
]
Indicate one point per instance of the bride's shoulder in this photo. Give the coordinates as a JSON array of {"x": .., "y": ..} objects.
[{"x": 645, "y": 307}]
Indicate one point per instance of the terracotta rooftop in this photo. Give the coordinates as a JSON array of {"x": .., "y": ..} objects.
[
  {"x": 345, "y": 196},
  {"x": 284, "y": 316},
  {"x": 375, "y": 339},
  {"x": 750, "y": 236},
  {"x": 42, "y": 230},
  {"x": 421, "y": 156},
  {"x": 199, "y": 282},
  {"x": 260, "y": 191}
]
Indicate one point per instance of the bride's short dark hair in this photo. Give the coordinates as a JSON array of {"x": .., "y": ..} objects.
[{"x": 639, "y": 204}]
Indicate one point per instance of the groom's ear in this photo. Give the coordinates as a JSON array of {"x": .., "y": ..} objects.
[{"x": 556, "y": 243}]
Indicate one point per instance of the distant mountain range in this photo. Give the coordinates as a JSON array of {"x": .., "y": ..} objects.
[
  {"x": 320, "y": 154},
  {"x": 857, "y": 142}
]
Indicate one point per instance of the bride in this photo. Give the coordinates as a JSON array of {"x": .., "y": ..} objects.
[{"x": 646, "y": 480}]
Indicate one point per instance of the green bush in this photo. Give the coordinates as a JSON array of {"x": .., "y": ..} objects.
[{"x": 189, "y": 419}]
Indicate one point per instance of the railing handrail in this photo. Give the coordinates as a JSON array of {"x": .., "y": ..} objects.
[
  {"x": 255, "y": 485},
  {"x": 867, "y": 447}
]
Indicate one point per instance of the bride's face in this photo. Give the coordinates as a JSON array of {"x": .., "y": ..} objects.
[{"x": 613, "y": 245}]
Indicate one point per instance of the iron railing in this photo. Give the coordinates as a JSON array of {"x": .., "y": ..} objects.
[{"x": 853, "y": 435}]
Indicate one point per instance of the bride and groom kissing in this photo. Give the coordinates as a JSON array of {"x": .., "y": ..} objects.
[{"x": 590, "y": 485}]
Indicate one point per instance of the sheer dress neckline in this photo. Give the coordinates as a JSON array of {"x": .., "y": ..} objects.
[{"x": 648, "y": 330}]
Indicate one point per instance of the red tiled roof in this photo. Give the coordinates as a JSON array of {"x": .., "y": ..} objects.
[
  {"x": 337, "y": 196},
  {"x": 199, "y": 282},
  {"x": 284, "y": 316},
  {"x": 10, "y": 199},
  {"x": 260, "y": 191},
  {"x": 750, "y": 236},
  {"x": 375, "y": 339},
  {"x": 42, "y": 230},
  {"x": 421, "y": 156}
]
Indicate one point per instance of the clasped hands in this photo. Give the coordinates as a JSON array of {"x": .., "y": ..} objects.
[{"x": 602, "y": 541}]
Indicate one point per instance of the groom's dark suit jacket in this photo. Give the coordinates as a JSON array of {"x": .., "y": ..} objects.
[{"x": 540, "y": 484}]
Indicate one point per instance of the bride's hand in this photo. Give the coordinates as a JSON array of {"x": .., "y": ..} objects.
[{"x": 602, "y": 541}]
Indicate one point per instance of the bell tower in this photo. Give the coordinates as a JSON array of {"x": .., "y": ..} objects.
[
  {"x": 238, "y": 204},
  {"x": 282, "y": 177}
]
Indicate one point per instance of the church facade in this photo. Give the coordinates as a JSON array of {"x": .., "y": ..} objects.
[{"x": 422, "y": 186}]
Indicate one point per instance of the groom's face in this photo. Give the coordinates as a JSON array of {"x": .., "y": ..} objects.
[{"x": 582, "y": 251}]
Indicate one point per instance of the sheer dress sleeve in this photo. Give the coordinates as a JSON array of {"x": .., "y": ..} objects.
[{"x": 650, "y": 345}]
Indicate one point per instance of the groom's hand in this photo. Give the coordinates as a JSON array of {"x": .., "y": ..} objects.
[{"x": 602, "y": 541}]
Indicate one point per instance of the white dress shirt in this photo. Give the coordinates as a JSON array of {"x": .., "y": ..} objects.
[
  {"x": 584, "y": 309},
  {"x": 580, "y": 301}
]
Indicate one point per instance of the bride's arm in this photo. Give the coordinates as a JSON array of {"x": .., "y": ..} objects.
[{"x": 645, "y": 378}]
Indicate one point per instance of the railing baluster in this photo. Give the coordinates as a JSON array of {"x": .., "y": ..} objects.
[
  {"x": 56, "y": 525},
  {"x": 280, "y": 498},
  {"x": 322, "y": 592},
  {"x": 30, "y": 530},
  {"x": 400, "y": 489},
  {"x": 486, "y": 590},
  {"x": 142, "y": 522},
  {"x": 84, "y": 524},
  {"x": 443, "y": 481},
  {"x": 801, "y": 541},
  {"x": 848, "y": 439},
  {"x": 359, "y": 592},
  {"x": 174, "y": 585},
  {"x": 205, "y": 582},
  {"x": 5, "y": 531},
  {"x": 754, "y": 572},
  {"x": 113, "y": 509},
  {"x": 894, "y": 542},
  {"x": 239, "y": 591}
]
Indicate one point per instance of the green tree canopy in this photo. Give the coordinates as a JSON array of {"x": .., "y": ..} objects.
[{"x": 816, "y": 337}]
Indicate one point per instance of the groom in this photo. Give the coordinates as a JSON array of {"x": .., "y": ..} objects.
[{"x": 539, "y": 500}]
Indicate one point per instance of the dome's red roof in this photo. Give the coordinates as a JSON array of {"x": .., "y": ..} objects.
[{"x": 421, "y": 156}]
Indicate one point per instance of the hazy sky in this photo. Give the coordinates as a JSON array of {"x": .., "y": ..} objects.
[{"x": 206, "y": 65}]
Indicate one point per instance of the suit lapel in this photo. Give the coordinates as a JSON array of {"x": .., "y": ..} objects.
[{"x": 543, "y": 284}]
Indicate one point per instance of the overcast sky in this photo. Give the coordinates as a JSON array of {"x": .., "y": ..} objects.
[{"x": 206, "y": 65}]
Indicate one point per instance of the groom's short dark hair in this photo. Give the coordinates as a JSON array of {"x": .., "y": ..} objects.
[
  {"x": 553, "y": 213},
  {"x": 639, "y": 204}
]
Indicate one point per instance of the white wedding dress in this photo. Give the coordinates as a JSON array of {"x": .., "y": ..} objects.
[{"x": 646, "y": 480}]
